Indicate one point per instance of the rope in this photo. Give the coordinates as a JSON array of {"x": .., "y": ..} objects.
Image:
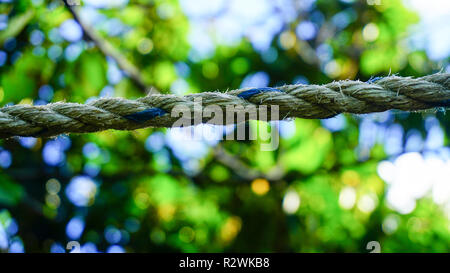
[{"x": 156, "y": 110}]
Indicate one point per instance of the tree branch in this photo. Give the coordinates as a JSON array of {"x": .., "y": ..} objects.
[
  {"x": 107, "y": 49},
  {"x": 240, "y": 168}
]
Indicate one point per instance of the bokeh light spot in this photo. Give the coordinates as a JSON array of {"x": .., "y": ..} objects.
[
  {"x": 291, "y": 202},
  {"x": 260, "y": 186}
]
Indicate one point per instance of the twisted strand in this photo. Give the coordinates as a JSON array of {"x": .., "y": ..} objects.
[{"x": 156, "y": 110}]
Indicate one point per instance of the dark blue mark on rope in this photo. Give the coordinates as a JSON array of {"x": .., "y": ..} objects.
[
  {"x": 249, "y": 93},
  {"x": 146, "y": 115},
  {"x": 374, "y": 79}
]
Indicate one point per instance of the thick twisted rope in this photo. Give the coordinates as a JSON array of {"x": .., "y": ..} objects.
[{"x": 156, "y": 110}]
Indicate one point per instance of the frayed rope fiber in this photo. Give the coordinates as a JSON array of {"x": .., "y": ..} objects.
[{"x": 302, "y": 101}]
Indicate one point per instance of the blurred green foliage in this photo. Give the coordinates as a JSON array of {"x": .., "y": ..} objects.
[{"x": 151, "y": 197}]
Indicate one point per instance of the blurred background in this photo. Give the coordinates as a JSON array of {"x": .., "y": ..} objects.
[{"x": 332, "y": 185}]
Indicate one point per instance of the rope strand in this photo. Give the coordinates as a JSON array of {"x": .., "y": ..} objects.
[{"x": 157, "y": 110}]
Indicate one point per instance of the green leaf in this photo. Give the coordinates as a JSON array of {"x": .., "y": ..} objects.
[
  {"x": 5, "y": 217},
  {"x": 16, "y": 25},
  {"x": 93, "y": 74},
  {"x": 10, "y": 192},
  {"x": 17, "y": 86},
  {"x": 19, "y": 82},
  {"x": 164, "y": 189},
  {"x": 310, "y": 153}
]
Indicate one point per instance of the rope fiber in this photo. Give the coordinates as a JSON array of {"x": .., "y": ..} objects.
[{"x": 156, "y": 110}]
